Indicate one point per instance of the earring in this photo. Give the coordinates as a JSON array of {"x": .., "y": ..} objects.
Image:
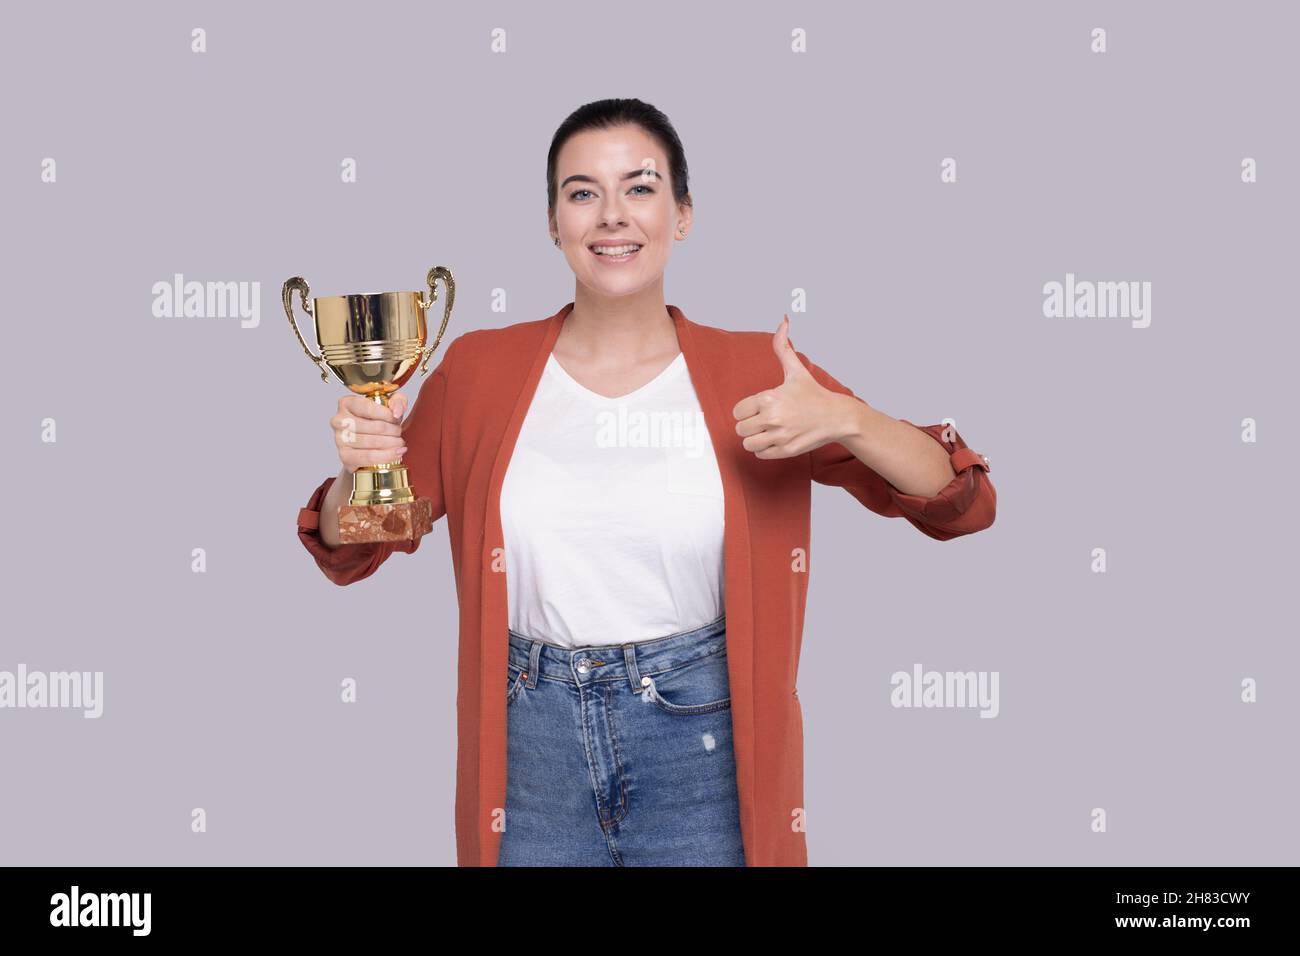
[{"x": 557, "y": 242}]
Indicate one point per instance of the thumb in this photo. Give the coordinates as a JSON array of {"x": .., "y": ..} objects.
[
  {"x": 785, "y": 351},
  {"x": 398, "y": 406}
]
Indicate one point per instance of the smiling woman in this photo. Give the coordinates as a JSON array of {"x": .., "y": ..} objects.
[
  {"x": 624, "y": 600},
  {"x": 617, "y": 199}
]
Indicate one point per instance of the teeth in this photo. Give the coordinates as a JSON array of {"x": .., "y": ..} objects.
[{"x": 614, "y": 250}]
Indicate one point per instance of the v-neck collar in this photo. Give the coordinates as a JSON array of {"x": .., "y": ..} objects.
[{"x": 553, "y": 367}]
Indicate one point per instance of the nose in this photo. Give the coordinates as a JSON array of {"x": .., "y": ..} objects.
[{"x": 611, "y": 208}]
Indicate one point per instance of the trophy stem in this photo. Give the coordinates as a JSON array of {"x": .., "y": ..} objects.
[{"x": 385, "y": 484}]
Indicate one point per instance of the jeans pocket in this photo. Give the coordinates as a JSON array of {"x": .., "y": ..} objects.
[
  {"x": 700, "y": 687},
  {"x": 514, "y": 682}
]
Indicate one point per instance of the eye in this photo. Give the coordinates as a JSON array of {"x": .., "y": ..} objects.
[{"x": 648, "y": 191}]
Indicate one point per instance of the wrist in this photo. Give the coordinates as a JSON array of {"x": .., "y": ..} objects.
[{"x": 857, "y": 419}]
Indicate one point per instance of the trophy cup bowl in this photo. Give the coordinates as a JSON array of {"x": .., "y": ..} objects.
[{"x": 372, "y": 343}]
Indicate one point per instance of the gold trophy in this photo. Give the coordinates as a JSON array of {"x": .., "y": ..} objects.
[{"x": 372, "y": 344}]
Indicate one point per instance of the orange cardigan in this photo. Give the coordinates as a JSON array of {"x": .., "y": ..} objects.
[{"x": 460, "y": 434}]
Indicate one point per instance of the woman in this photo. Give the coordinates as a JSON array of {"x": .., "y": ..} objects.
[{"x": 646, "y": 481}]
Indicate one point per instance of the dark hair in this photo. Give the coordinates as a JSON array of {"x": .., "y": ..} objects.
[{"x": 605, "y": 114}]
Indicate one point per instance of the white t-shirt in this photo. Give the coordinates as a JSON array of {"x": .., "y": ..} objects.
[{"x": 612, "y": 510}]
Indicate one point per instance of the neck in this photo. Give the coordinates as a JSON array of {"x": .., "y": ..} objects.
[{"x": 618, "y": 329}]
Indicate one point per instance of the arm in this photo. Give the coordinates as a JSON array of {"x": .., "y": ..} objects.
[
  {"x": 422, "y": 431},
  {"x": 965, "y": 504}
]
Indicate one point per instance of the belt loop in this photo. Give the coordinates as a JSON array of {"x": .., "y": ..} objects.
[
  {"x": 534, "y": 657},
  {"x": 629, "y": 658}
]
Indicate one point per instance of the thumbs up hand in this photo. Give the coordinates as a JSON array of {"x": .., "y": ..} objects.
[{"x": 796, "y": 416}]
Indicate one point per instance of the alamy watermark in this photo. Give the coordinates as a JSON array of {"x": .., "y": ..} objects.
[
  {"x": 1098, "y": 300},
  {"x": 64, "y": 689},
  {"x": 179, "y": 299},
  {"x": 102, "y": 909},
  {"x": 922, "y": 688},
  {"x": 634, "y": 429}
]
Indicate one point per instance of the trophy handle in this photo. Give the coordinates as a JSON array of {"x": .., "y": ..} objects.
[
  {"x": 434, "y": 274},
  {"x": 299, "y": 283}
]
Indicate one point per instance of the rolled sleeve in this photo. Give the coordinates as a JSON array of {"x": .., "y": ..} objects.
[
  {"x": 348, "y": 562},
  {"x": 968, "y": 503}
]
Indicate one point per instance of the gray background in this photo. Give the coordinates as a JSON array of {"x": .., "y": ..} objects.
[{"x": 815, "y": 171}]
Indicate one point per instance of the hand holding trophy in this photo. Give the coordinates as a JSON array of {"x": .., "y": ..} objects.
[{"x": 372, "y": 343}]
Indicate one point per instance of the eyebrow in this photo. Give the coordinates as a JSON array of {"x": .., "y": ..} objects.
[{"x": 632, "y": 175}]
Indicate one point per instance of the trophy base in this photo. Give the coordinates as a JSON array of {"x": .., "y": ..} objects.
[{"x": 364, "y": 524}]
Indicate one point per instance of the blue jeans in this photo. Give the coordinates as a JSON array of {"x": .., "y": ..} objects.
[{"x": 621, "y": 755}]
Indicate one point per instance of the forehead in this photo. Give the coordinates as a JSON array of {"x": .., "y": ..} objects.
[{"x": 610, "y": 151}]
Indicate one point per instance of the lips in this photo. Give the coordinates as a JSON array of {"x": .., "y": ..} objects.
[
  {"x": 613, "y": 260},
  {"x": 605, "y": 243}
]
